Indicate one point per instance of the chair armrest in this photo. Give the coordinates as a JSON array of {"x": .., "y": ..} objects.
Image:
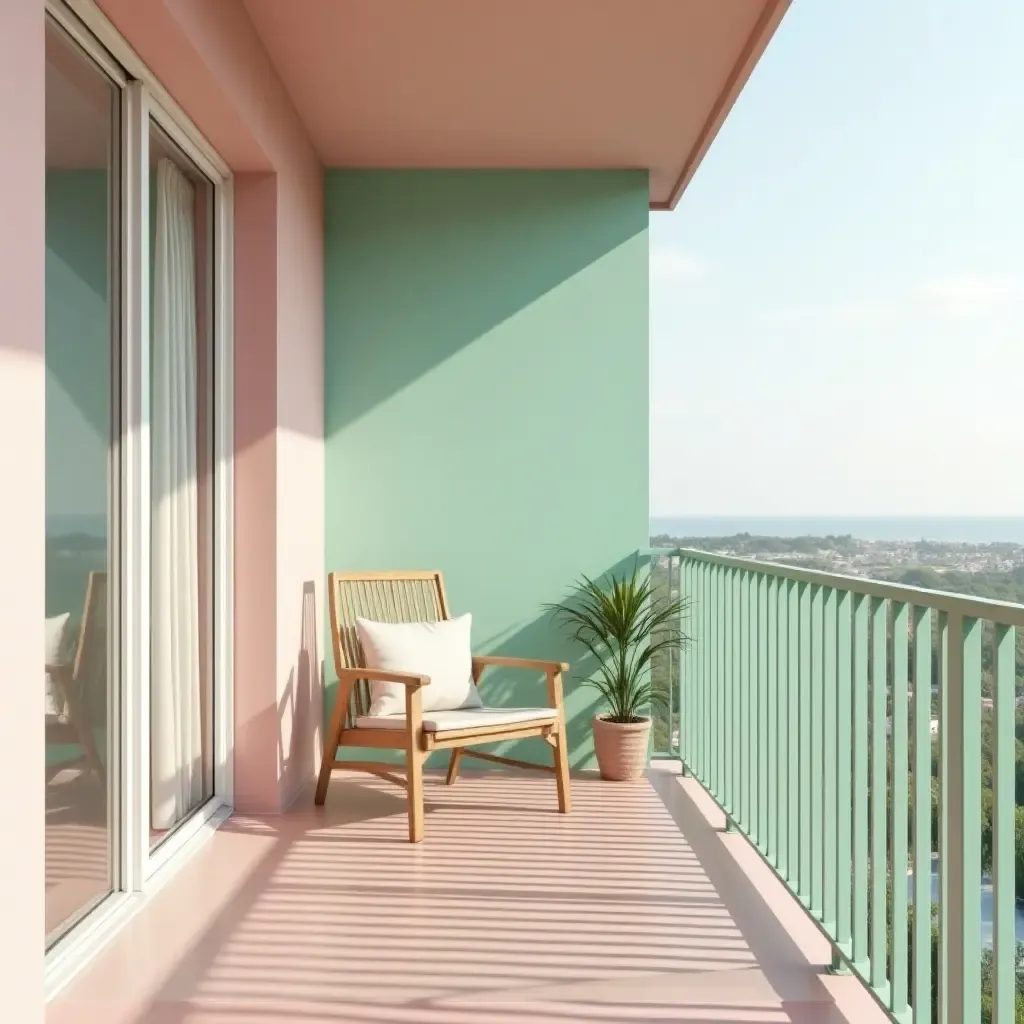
[
  {"x": 382, "y": 676},
  {"x": 529, "y": 664},
  {"x": 552, "y": 670}
]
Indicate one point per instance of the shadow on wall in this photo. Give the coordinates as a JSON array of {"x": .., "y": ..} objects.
[
  {"x": 546, "y": 638},
  {"x": 427, "y": 263},
  {"x": 300, "y": 708},
  {"x": 501, "y": 687}
]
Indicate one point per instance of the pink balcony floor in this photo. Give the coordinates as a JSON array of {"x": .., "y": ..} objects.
[{"x": 635, "y": 908}]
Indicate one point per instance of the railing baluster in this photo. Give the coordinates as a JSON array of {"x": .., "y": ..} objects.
[
  {"x": 944, "y": 737},
  {"x": 730, "y": 673},
  {"x": 687, "y": 707},
  {"x": 815, "y": 776},
  {"x": 861, "y": 746},
  {"x": 700, "y": 709},
  {"x": 737, "y": 675},
  {"x": 688, "y": 700},
  {"x": 900, "y": 809},
  {"x": 921, "y": 997},
  {"x": 725, "y": 654},
  {"x": 761, "y": 769},
  {"x": 844, "y": 772},
  {"x": 675, "y": 676},
  {"x": 707, "y": 683},
  {"x": 879, "y": 791},
  {"x": 963, "y": 806},
  {"x": 793, "y": 777},
  {"x": 1004, "y": 943},
  {"x": 715, "y": 678},
  {"x": 771, "y": 844},
  {"x": 742, "y": 703},
  {"x": 704, "y": 711},
  {"x": 829, "y": 823},
  {"x": 750, "y": 712},
  {"x": 695, "y": 615},
  {"x": 783, "y": 734},
  {"x": 751, "y": 709},
  {"x": 806, "y": 765}
]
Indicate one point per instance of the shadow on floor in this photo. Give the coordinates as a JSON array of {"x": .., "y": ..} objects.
[{"x": 630, "y": 910}]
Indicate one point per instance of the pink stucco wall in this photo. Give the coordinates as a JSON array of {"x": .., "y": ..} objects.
[
  {"x": 209, "y": 57},
  {"x": 22, "y": 543}
]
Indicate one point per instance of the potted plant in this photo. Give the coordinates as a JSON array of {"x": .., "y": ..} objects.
[{"x": 623, "y": 626}]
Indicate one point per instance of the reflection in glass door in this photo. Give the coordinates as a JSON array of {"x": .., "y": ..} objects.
[{"x": 82, "y": 346}]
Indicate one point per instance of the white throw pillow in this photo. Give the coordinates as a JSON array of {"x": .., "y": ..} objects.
[
  {"x": 440, "y": 650},
  {"x": 54, "y": 631}
]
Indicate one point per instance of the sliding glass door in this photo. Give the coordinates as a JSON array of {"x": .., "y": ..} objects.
[
  {"x": 137, "y": 666},
  {"x": 83, "y": 342}
]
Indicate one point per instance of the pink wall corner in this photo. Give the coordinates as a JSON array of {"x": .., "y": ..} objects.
[
  {"x": 212, "y": 61},
  {"x": 22, "y": 539},
  {"x": 300, "y": 479},
  {"x": 255, "y": 314}
]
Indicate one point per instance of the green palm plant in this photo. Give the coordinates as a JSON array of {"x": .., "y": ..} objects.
[{"x": 624, "y": 625}]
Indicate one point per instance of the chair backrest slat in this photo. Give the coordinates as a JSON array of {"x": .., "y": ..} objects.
[
  {"x": 381, "y": 597},
  {"x": 89, "y": 673}
]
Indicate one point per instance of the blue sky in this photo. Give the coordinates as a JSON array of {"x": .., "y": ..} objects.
[{"x": 837, "y": 302}]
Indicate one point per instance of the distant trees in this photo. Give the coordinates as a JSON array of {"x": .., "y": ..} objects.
[{"x": 748, "y": 544}]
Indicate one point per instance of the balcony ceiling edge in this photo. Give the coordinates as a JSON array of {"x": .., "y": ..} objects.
[{"x": 521, "y": 84}]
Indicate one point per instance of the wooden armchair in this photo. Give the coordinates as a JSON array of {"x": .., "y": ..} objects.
[{"x": 420, "y": 597}]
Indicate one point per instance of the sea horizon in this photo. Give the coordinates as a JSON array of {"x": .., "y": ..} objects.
[{"x": 947, "y": 529}]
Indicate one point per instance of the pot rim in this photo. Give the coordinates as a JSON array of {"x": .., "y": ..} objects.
[{"x": 603, "y": 717}]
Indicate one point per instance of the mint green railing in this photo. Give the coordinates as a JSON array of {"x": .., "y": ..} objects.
[{"x": 805, "y": 708}]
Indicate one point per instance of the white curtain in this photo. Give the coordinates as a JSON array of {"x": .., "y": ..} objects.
[{"x": 175, "y": 711}]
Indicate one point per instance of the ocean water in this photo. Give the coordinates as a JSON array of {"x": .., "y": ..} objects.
[{"x": 952, "y": 529}]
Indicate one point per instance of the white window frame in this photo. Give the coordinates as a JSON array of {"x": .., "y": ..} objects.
[{"x": 139, "y": 871}]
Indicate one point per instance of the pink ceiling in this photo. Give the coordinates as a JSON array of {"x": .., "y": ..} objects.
[{"x": 516, "y": 83}]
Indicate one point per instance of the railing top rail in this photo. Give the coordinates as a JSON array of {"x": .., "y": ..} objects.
[{"x": 1001, "y": 612}]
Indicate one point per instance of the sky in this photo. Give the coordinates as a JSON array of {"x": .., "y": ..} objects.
[{"x": 837, "y": 302}]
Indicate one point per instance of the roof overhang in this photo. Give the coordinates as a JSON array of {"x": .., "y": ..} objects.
[{"x": 517, "y": 83}]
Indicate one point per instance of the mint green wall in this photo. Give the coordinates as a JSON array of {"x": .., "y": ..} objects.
[{"x": 486, "y": 393}]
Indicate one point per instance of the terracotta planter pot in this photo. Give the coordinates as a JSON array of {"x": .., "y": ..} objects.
[{"x": 621, "y": 749}]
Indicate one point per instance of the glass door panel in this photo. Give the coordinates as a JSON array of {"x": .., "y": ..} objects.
[{"x": 82, "y": 356}]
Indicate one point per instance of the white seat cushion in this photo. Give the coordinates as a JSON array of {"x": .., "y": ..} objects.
[
  {"x": 465, "y": 718},
  {"x": 439, "y": 650}
]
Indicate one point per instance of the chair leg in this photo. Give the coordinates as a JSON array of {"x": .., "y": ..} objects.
[
  {"x": 414, "y": 758},
  {"x": 338, "y": 713},
  {"x": 414, "y": 765},
  {"x": 324, "y": 778},
  {"x": 326, "y": 767},
  {"x": 453, "y": 766},
  {"x": 562, "y": 771}
]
